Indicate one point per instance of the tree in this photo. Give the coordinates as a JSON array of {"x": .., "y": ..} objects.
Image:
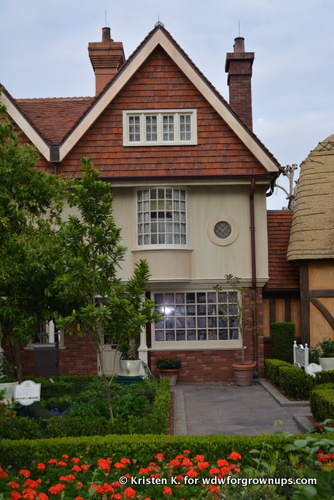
[
  {"x": 91, "y": 261},
  {"x": 30, "y": 207}
]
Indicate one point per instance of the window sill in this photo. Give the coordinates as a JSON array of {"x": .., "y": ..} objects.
[{"x": 160, "y": 248}]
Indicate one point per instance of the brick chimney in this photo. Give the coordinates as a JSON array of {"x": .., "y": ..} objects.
[
  {"x": 239, "y": 68},
  {"x": 106, "y": 58}
]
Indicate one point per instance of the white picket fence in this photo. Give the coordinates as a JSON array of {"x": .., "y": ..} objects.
[{"x": 300, "y": 355}]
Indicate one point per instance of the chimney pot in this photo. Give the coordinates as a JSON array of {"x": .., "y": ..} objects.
[
  {"x": 106, "y": 35},
  {"x": 239, "y": 44}
]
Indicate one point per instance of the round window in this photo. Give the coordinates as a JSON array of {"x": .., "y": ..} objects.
[{"x": 222, "y": 229}]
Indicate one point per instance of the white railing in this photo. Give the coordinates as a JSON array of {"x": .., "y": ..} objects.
[{"x": 300, "y": 355}]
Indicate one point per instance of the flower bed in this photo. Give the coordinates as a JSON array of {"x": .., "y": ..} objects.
[{"x": 185, "y": 476}]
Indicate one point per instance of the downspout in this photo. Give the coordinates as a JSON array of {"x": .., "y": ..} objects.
[{"x": 253, "y": 264}]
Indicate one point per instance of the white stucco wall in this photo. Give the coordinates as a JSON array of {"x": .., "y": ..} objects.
[{"x": 201, "y": 260}]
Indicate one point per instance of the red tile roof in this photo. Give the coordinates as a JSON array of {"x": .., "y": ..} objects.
[
  {"x": 282, "y": 274},
  {"x": 55, "y": 117}
]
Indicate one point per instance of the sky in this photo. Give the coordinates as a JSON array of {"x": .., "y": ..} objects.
[{"x": 43, "y": 46}]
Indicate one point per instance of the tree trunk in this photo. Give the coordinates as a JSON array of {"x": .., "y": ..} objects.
[
  {"x": 18, "y": 361},
  {"x": 106, "y": 384}
]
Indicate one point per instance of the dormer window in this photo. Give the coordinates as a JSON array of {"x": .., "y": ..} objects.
[{"x": 164, "y": 127}]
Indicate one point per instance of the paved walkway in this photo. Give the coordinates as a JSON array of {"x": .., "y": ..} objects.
[{"x": 205, "y": 409}]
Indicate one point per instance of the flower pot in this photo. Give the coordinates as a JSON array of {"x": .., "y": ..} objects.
[
  {"x": 243, "y": 373},
  {"x": 170, "y": 373},
  {"x": 130, "y": 367},
  {"x": 327, "y": 363}
]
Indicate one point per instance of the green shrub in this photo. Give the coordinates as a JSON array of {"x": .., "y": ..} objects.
[
  {"x": 294, "y": 382},
  {"x": 283, "y": 336},
  {"x": 324, "y": 377},
  {"x": 272, "y": 369},
  {"x": 322, "y": 402},
  {"x": 138, "y": 409},
  {"x": 23, "y": 453}
]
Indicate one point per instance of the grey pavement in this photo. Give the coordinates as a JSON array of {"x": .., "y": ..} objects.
[{"x": 221, "y": 408}]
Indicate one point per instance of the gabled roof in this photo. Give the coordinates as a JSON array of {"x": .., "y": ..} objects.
[
  {"x": 312, "y": 231},
  {"x": 283, "y": 275},
  {"x": 32, "y": 121}
]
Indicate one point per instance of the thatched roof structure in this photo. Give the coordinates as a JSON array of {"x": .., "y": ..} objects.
[{"x": 312, "y": 231}]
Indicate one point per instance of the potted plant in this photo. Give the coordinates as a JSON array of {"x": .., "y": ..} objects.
[
  {"x": 323, "y": 354},
  {"x": 243, "y": 372},
  {"x": 129, "y": 362},
  {"x": 168, "y": 367}
]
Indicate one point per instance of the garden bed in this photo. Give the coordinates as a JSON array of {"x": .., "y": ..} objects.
[{"x": 76, "y": 407}]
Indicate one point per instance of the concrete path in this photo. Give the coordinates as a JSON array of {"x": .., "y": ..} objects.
[{"x": 205, "y": 409}]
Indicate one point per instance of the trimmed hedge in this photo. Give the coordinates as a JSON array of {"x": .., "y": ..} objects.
[
  {"x": 272, "y": 369},
  {"x": 283, "y": 335},
  {"x": 325, "y": 377},
  {"x": 294, "y": 382},
  {"x": 322, "y": 402},
  {"x": 18, "y": 454}
]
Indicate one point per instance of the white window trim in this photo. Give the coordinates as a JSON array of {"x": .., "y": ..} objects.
[
  {"x": 223, "y": 241},
  {"x": 164, "y": 246},
  {"x": 142, "y": 113}
]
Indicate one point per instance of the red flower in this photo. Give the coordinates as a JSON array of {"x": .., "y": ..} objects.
[
  {"x": 65, "y": 456},
  {"x": 41, "y": 466},
  {"x": 29, "y": 493},
  {"x": 129, "y": 492},
  {"x": 84, "y": 467},
  {"x": 186, "y": 462},
  {"x": 202, "y": 465},
  {"x": 199, "y": 458},
  {"x": 104, "y": 464},
  {"x": 225, "y": 471},
  {"x": 67, "y": 478},
  {"x": 52, "y": 461},
  {"x": 221, "y": 462},
  {"x": 186, "y": 452},
  {"x": 159, "y": 456},
  {"x": 76, "y": 468},
  {"x": 54, "y": 490},
  {"x": 15, "y": 495},
  {"x": 78, "y": 498},
  {"x": 167, "y": 491},
  {"x": 61, "y": 463},
  {"x": 119, "y": 465},
  {"x": 214, "y": 470},
  {"x": 235, "y": 456},
  {"x": 25, "y": 472},
  {"x": 42, "y": 496},
  {"x": 125, "y": 461},
  {"x": 2, "y": 472},
  {"x": 13, "y": 485},
  {"x": 31, "y": 483},
  {"x": 214, "y": 488},
  {"x": 175, "y": 462},
  {"x": 116, "y": 496},
  {"x": 191, "y": 473},
  {"x": 75, "y": 460}
]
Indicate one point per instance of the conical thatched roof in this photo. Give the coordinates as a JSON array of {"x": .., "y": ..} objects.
[{"x": 312, "y": 231}]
